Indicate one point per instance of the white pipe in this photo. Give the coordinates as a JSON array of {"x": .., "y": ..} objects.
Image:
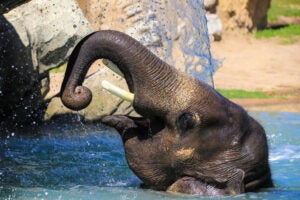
[{"x": 127, "y": 96}]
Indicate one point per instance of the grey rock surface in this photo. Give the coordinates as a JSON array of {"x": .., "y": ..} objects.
[
  {"x": 214, "y": 26},
  {"x": 174, "y": 30},
  {"x": 35, "y": 37}
]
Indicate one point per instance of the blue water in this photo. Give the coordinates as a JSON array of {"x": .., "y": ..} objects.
[{"x": 75, "y": 161}]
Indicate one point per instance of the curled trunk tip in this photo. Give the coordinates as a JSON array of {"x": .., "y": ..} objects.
[{"x": 77, "y": 99}]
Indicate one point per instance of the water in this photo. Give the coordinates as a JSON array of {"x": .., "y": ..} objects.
[{"x": 72, "y": 161}]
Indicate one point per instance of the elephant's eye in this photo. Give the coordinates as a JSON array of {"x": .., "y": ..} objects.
[{"x": 187, "y": 121}]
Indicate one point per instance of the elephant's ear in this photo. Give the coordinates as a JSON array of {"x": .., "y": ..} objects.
[{"x": 235, "y": 184}]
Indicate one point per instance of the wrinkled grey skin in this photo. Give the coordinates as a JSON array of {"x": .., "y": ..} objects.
[{"x": 190, "y": 138}]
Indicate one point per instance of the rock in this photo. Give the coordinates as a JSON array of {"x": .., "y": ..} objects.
[
  {"x": 247, "y": 15},
  {"x": 210, "y": 4},
  {"x": 214, "y": 26},
  {"x": 174, "y": 30},
  {"x": 51, "y": 41},
  {"x": 35, "y": 37}
]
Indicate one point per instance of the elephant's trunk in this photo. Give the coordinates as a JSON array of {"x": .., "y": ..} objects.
[{"x": 146, "y": 75}]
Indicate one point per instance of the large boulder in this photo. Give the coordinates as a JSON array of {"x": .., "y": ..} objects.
[
  {"x": 35, "y": 37},
  {"x": 176, "y": 31},
  {"x": 246, "y": 15}
]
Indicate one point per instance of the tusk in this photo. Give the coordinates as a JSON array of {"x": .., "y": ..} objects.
[
  {"x": 112, "y": 66},
  {"x": 127, "y": 96}
]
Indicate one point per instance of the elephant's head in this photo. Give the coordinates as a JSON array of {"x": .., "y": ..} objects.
[{"x": 190, "y": 139}]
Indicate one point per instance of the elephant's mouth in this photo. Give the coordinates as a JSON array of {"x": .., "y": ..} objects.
[{"x": 128, "y": 126}]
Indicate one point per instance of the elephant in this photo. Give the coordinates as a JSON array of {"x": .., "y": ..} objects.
[{"x": 189, "y": 138}]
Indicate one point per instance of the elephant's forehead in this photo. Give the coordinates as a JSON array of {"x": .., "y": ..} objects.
[{"x": 186, "y": 92}]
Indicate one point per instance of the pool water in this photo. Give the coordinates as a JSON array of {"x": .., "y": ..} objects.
[{"x": 75, "y": 161}]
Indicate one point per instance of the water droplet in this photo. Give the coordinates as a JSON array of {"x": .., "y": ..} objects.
[{"x": 74, "y": 26}]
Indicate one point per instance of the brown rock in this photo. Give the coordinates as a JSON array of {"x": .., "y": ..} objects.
[{"x": 247, "y": 15}]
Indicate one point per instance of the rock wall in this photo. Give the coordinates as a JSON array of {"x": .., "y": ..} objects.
[
  {"x": 35, "y": 37},
  {"x": 246, "y": 15},
  {"x": 175, "y": 30}
]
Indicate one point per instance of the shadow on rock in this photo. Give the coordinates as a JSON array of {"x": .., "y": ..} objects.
[{"x": 21, "y": 102}]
